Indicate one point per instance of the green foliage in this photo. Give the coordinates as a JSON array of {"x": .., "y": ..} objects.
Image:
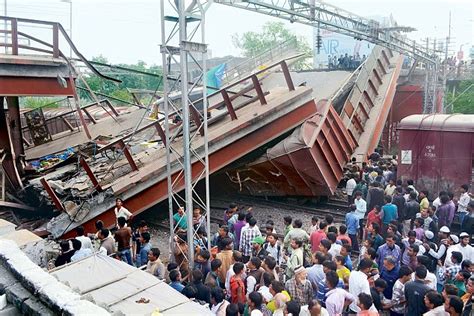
[
  {"x": 273, "y": 33},
  {"x": 130, "y": 80},
  {"x": 40, "y": 102},
  {"x": 463, "y": 100},
  {"x": 121, "y": 94}
]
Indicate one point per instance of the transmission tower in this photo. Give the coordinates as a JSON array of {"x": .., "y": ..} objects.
[{"x": 185, "y": 105}]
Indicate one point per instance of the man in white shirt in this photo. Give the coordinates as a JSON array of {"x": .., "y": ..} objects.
[
  {"x": 361, "y": 205},
  {"x": 85, "y": 241},
  {"x": 361, "y": 209},
  {"x": 463, "y": 202},
  {"x": 463, "y": 247},
  {"x": 437, "y": 201},
  {"x": 430, "y": 280},
  {"x": 121, "y": 211},
  {"x": 336, "y": 297},
  {"x": 411, "y": 185},
  {"x": 443, "y": 246},
  {"x": 359, "y": 283},
  {"x": 265, "y": 288},
  {"x": 453, "y": 241},
  {"x": 434, "y": 301},
  {"x": 350, "y": 186},
  {"x": 390, "y": 188}
]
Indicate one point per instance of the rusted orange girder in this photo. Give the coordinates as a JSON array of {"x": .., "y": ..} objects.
[{"x": 33, "y": 86}]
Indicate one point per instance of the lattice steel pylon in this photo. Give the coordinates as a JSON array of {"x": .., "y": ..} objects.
[
  {"x": 183, "y": 35},
  {"x": 430, "y": 89}
]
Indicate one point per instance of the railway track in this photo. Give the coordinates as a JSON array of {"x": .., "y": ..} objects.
[
  {"x": 336, "y": 208},
  {"x": 214, "y": 219}
]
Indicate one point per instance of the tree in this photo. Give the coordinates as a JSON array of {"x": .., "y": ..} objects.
[
  {"x": 272, "y": 34},
  {"x": 40, "y": 102},
  {"x": 130, "y": 80},
  {"x": 463, "y": 100}
]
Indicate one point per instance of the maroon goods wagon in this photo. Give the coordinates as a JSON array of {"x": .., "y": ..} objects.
[{"x": 437, "y": 151}]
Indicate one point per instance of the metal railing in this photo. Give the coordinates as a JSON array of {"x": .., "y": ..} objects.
[
  {"x": 14, "y": 33},
  {"x": 63, "y": 121},
  {"x": 251, "y": 65}
]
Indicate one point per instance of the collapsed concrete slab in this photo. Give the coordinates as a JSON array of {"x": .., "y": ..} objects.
[
  {"x": 121, "y": 288},
  {"x": 34, "y": 291}
]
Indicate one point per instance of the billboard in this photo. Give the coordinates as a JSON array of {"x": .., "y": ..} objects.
[{"x": 335, "y": 44}]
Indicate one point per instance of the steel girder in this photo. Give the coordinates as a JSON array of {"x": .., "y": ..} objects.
[{"x": 332, "y": 18}]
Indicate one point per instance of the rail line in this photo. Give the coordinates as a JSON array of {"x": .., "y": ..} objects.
[
  {"x": 336, "y": 208},
  {"x": 333, "y": 207}
]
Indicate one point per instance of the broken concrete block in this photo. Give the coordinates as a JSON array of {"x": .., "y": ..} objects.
[
  {"x": 57, "y": 185},
  {"x": 17, "y": 294},
  {"x": 70, "y": 208},
  {"x": 6, "y": 280},
  {"x": 41, "y": 252},
  {"x": 10, "y": 310},
  {"x": 36, "y": 285},
  {"x": 35, "y": 307},
  {"x": 6, "y": 227},
  {"x": 3, "y": 301},
  {"x": 81, "y": 307}
]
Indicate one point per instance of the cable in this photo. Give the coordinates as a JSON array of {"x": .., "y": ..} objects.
[{"x": 465, "y": 90}]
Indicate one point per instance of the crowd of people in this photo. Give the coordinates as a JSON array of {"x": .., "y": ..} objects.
[
  {"x": 345, "y": 62},
  {"x": 395, "y": 253}
]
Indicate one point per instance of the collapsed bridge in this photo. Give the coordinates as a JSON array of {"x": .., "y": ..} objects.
[{"x": 292, "y": 133}]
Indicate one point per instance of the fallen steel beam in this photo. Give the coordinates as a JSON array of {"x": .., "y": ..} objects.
[
  {"x": 57, "y": 203},
  {"x": 90, "y": 174}
]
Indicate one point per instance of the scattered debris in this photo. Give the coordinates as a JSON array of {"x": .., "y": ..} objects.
[{"x": 49, "y": 162}]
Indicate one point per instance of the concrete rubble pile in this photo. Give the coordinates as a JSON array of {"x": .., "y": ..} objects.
[{"x": 72, "y": 185}]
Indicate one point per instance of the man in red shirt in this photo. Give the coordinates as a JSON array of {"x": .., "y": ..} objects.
[
  {"x": 237, "y": 286},
  {"x": 317, "y": 236},
  {"x": 122, "y": 237},
  {"x": 343, "y": 236},
  {"x": 374, "y": 216}
]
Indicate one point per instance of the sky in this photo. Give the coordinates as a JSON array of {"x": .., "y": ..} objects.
[{"x": 126, "y": 31}]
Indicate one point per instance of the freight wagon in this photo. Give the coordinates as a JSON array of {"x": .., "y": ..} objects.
[{"x": 437, "y": 151}]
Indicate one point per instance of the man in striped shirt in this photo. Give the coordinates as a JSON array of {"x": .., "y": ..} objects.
[{"x": 245, "y": 245}]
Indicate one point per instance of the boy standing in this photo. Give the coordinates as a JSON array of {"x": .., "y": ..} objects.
[{"x": 398, "y": 301}]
